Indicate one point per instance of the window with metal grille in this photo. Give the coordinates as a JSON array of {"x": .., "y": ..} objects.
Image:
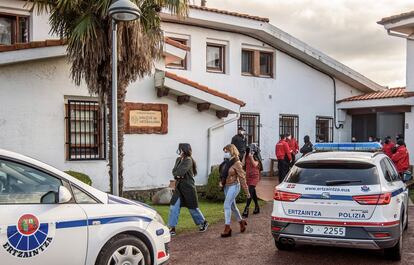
[
  {"x": 289, "y": 124},
  {"x": 251, "y": 124},
  {"x": 324, "y": 129},
  {"x": 85, "y": 131}
]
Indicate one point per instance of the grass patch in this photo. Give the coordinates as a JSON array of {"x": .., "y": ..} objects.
[
  {"x": 212, "y": 211},
  {"x": 411, "y": 193}
]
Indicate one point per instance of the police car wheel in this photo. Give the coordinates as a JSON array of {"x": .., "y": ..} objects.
[
  {"x": 284, "y": 246},
  {"x": 124, "y": 250},
  {"x": 406, "y": 220},
  {"x": 395, "y": 252}
]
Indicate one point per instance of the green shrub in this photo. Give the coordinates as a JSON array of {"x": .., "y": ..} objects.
[
  {"x": 214, "y": 192},
  {"x": 80, "y": 176}
]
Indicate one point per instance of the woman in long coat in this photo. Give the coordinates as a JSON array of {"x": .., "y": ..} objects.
[{"x": 185, "y": 193}]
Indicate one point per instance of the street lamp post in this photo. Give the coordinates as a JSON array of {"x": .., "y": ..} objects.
[{"x": 120, "y": 10}]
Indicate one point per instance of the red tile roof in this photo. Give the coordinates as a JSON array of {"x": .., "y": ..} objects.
[
  {"x": 176, "y": 44},
  {"x": 225, "y": 12},
  {"x": 204, "y": 88},
  {"x": 396, "y": 18},
  {"x": 398, "y": 92},
  {"x": 31, "y": 45}
]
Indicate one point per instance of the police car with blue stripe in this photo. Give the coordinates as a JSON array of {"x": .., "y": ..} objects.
[
  {"x": 49, "y": 217},
  {"x": 343, "y": 195}
]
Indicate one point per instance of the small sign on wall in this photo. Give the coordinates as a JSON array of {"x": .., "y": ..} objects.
[{"x": 146, "y": 118}]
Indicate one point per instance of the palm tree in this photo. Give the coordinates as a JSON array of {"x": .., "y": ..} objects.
[{"x": 86, "y": 26}]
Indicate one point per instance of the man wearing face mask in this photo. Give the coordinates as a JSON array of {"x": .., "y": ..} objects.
[{"x": 239, "y": 140}]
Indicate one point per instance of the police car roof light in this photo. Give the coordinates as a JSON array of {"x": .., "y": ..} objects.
[{"x": 361, "y": 147}]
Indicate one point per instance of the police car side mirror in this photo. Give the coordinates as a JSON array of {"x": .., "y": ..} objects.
[
  {"x": 407, "y": 176},
  {"x": 64, "y": 195}
]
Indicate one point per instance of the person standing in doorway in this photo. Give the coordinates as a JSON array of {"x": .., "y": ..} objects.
[
  {"x": 307, "y": 146},
  {"x": 240, "y": 141},
  {"x": 253, "y": 163},
  {"x": 185, "y": 193},
  {"x": 284, "y": 157},
  {"x": 232, "y": 177},
  {"x": 401, "y": 157},
  {"x": 388, "y": 146}
]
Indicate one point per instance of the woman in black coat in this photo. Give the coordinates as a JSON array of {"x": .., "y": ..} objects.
[{"x": 185, "y": 193}]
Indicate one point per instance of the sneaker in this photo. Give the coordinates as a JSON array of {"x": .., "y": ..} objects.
[
  {"x": 172, "y": 232},
  {"x": 203, "y": 227}
]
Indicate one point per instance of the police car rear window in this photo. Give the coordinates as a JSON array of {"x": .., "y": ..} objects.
[{"x": 333, "y": 174}]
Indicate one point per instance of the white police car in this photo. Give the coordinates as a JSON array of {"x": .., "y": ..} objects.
[
  {"x": 48, "y": 217},
  {"x": 342, "y": 198}
]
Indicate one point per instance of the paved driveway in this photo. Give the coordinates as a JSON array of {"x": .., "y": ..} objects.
[{"x": 256, "y": 247}]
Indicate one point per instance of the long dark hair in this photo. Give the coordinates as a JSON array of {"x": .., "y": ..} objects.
[{"x": 188, "y": 152}]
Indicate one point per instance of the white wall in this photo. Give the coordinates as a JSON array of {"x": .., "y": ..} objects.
[
  {"x": 410, "y": 65},
  {"x": 295, "y": 89}
]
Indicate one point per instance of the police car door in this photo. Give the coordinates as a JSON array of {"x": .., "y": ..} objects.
[{"x": 36, "y": 227}]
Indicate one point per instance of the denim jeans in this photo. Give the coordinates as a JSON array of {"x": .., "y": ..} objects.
[
  {"x": 230, "y": 205},
  {"x": 196, "y": 214}
]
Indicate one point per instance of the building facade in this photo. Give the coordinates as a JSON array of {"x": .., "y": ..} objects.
[{"x": 220, "y": 70}]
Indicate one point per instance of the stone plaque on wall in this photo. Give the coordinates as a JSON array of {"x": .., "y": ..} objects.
[{"x": 143, "y": 118}]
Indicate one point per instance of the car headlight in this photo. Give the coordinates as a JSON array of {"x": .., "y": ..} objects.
[{"x": 159, "y": 219}]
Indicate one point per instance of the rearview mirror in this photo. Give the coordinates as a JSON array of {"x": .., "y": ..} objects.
[
  {"x": 407, "y": 176},
  {"x": 64, "y": 195}
]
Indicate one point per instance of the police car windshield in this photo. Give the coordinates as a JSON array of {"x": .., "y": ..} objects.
[{"x": 333, "y": 174}]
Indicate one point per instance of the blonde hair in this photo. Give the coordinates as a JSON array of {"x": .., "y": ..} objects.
[{"x": 232, "y": 149}]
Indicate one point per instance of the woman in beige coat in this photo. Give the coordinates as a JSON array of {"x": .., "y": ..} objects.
[{"x": 232, "y": 177}]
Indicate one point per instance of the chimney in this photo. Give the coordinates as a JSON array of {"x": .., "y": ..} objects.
[{"x": 203, "y": 2}]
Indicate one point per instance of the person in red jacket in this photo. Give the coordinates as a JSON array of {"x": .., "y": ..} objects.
[
  {"x": 388, "y": 146},
  {"x": 401, "y": 157},
  {"x": 284, "y": 157},
  {"x": 294, "y": 147}
]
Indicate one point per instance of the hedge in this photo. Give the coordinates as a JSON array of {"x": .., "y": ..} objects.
[
  {"x": 214, "y": 192},
  {"x": 80, "y": 176}
]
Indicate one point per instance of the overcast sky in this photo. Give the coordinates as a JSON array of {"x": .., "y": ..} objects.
[{"x": 344, "y": 29}]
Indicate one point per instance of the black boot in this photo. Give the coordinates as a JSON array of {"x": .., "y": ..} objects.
[
  {"x": 256, "y": 209},
  {"x": 245, "y": 212}
]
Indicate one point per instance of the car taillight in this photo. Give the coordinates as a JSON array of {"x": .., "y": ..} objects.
[
  {"x": 286, "y": 196},
  {"x": 381, "y": 235},
  {"x": 377, "y": 199}
]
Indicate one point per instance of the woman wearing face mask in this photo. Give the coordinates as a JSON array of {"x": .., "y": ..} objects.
[
  {"x": 232, "y": 177},
  {"x": 185, "y": 194}
]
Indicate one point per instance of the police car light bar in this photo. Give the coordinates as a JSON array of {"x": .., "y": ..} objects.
[{"x": 361, "y": 147}]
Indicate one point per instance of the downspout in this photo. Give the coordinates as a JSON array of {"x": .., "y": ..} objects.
[
  {"x": 209, "y": 134},
  {"x": 337, "y": 126}
]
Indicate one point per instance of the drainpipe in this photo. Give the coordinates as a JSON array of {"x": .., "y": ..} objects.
[
  {"x": 210, "y": 132},
  {"x": 340, "y": 126}
]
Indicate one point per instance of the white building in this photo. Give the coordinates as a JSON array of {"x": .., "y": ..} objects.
[{"x": 218, "y": 66}]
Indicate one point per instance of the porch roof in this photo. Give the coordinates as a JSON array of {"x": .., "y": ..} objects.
[
  {"x": 186, "y": 90},
  {"x": 397, "y": 92}
]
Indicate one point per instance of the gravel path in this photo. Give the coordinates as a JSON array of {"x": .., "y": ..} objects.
[{"x": 256, "y": 247}]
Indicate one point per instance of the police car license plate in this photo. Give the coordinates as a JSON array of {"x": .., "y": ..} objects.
[{"x": 324, "y": 230}]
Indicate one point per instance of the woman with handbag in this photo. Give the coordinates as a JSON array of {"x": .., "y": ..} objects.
[
  {"x": 185, "y": 193},
  {"x": 232, "y": 176}
]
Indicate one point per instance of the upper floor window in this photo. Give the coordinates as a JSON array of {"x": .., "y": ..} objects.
[
  {"x": 247, "y": 62},
  {"x": 215, "y": 58},
  {"x": 289, "y": 124},
  {"x": 266, "y": 64},
  {"x": 324, "y": 129},
  {"x": 180, "y": 64},
  {"x": 257, "y": 63},
  {"x": 13, "y": 29},
  {"x": 85, "y": 130}
]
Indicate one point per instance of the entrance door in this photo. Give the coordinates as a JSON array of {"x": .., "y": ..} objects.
[
  {"x": 390, "y": 124},
  {"x": 34, "y": 228},
  {"x": 364, "y": 126}
]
